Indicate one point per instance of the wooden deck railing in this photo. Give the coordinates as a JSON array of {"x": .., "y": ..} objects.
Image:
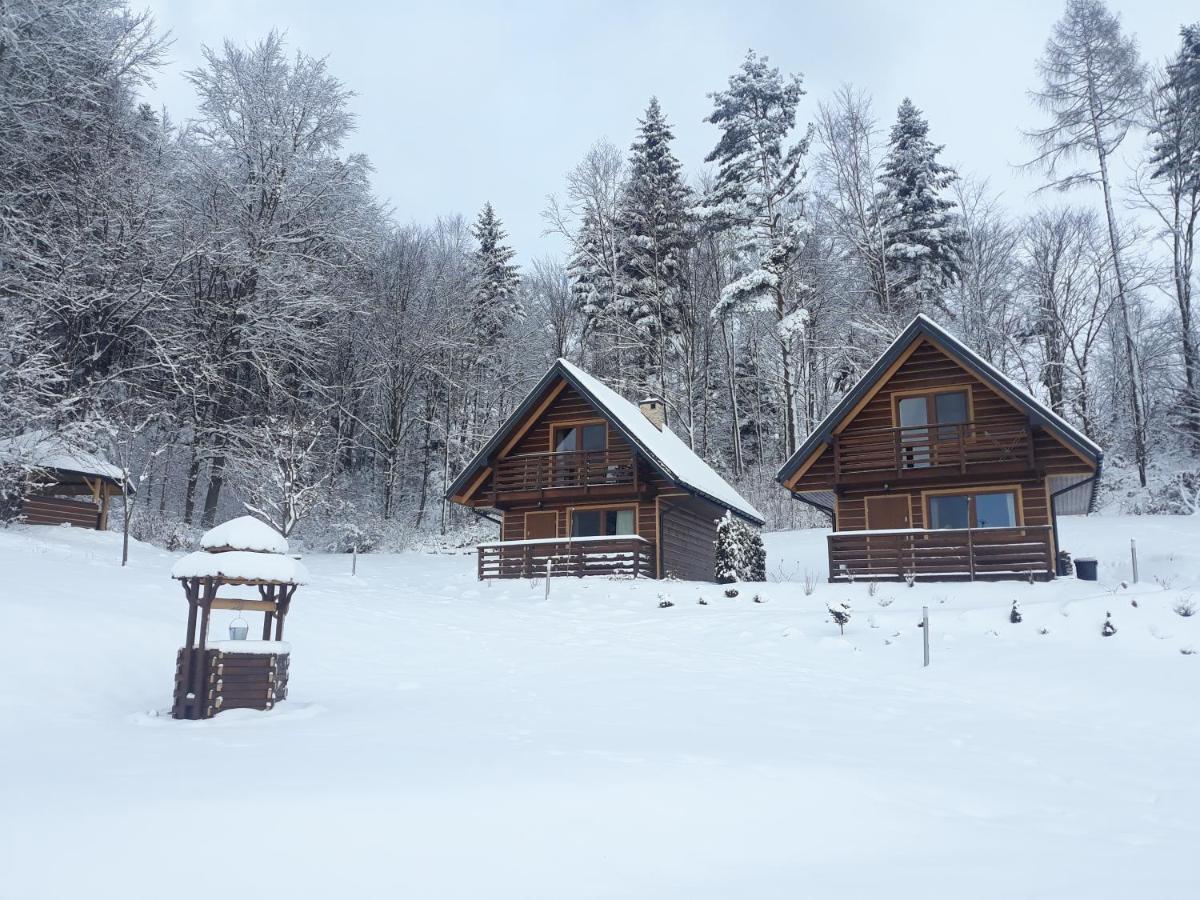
[
  {"x": 914, "y": 450},
  {"x": 627, "y": 555},
  {"x": 944, "y": 553},
  {"x": 573, "y": 469}
]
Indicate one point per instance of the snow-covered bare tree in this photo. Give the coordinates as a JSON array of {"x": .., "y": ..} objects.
[
  {"x": 1093, "y": 87},
  {"x": 759, "y": 192}
]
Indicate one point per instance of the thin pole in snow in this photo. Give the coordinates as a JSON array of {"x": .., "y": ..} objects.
[
  {"x": 354, "y": 561},
  {"x": 1133, "y": 556},
  {"x": 925, "y": 632},
  {"x": 548, "y": 558}
]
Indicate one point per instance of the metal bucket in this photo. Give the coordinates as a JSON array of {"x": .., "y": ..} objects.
[{"x": 238, "y": 629}]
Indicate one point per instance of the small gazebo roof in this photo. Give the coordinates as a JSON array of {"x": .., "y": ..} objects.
[
  {"x": 241, "y": 567},
  {"x": 244, "y": 533}
]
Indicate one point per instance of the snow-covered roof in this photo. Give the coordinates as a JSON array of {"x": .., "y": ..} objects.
[
  {"x": 244, "y": 533},
  {"x": 241, "y": 565},
  {"x": 677, "y": 459},
  {"x": 40, "y": 449},
  {"x": 673, "y": 459}
]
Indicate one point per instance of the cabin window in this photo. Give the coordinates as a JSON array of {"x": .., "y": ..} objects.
[
  {"x": 571, "y": 438},
  {"x": 916, "y": 413},
  {"x": 601, "y": 522},
  {"x": 993, "y": 509}
]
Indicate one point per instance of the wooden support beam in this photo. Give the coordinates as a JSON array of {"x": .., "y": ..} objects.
[{"x": 267, "y": 606}]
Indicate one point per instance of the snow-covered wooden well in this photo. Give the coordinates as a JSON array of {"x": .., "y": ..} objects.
[{"x": 236, "y": 674}]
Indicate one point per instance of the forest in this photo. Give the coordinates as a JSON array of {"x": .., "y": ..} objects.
[{"x": 224, "y": 308}]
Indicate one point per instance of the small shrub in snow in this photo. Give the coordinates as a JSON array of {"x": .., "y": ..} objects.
[
  {"x": 1109, "y": 628},
  {"x": 731, "y": 592},
  {"x": 810, "y": 582},
  {"x": 702, "y": 602},
  {"x": 1014, "y": 615},
  {"x": 1164, "y": 581},
  {"x": 910, "y": 578},
  {"x": 885, "y": 602},
  {"x": 1188, "y": 651},
  {"x": 664, "y": 603},
  {"x": 758, "y": 599},
  {"x": 1043, "y": 631},
  {"x": 841, "y": 614},
  {"x": 872, "y": 588},
  {"x": 740, "y": 555},
  {"x": 1029, "y": 575},
  {"x": 1186, "y": 607}
]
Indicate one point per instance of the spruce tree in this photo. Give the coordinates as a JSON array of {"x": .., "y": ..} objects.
[
  {"x": 923, "y": 243},
  {"x": 497, "y": 300},
  {"x": 653, "y": 224}
]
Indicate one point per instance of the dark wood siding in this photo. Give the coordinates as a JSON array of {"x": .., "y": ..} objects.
[
  {"x": 688, "y": 533},
  {"x": 41, "y": 510}
]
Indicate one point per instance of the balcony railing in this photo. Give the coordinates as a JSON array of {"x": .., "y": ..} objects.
[
  {"x": 625, "y": 555},
  {"x": 967, "y": 553},
  {"x": 917, "y": 450},
  {"x": 574, "y": 469}
]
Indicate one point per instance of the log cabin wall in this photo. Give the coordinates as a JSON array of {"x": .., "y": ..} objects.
[
  {"x": 929, "y": 369},
  {"x": 688, "y": 536},
  {"x": 851, "y": 504}
]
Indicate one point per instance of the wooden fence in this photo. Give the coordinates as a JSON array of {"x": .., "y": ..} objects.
[
  {"x": 957, "y": 553},
  {"x": 630, "y": 556}
]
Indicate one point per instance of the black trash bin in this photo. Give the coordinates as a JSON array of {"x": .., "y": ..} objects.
[{"x": 1085, "y": 569}]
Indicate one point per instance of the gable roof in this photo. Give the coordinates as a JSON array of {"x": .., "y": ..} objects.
[
  {"x": 923, "y": 326},
  {"x": 667, "y": 454},
  {"x": 48, "y": 451}
]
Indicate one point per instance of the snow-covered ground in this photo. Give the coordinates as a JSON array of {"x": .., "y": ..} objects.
[{"x": 445, "y": 738}]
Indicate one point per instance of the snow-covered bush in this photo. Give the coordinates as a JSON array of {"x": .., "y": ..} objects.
[
  {"x": 1109, "y": 628},
  {"x": 1014, "y": 615},
  {"x": 1186, "y": 607},
  {"x": 740, "y": 553},
  {"x": 841, "y": 614}
]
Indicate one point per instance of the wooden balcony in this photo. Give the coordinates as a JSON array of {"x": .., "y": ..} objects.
[
  {"x": 964, "y": 554},
  {"x": 624, "y": 555},
  {"x": 929, "y": 452},
  {"x": 584, "y": 472}
]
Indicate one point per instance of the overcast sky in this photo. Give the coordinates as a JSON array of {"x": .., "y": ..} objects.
[{"x": 459, "y": 103}]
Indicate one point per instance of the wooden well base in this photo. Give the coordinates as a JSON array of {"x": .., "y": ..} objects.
[{"x": 210, "y": 681}]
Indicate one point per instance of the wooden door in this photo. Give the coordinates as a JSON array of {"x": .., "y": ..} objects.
[
  {"x": 540, "y": 525},
  {"x": 889, "y": 511}
]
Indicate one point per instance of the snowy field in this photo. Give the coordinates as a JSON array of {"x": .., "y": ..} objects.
[{"x": 445, "y": 738}]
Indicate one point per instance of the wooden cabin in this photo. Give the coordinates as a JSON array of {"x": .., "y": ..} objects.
[
  {"x": 583, "y": 482},
  {"x": 62, "y": 484},
  {"x": 936, "y": 465}
]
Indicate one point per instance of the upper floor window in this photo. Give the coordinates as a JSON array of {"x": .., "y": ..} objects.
[
  {"x": 918, "y": 412},
  {"x": 571, "y": 438}
]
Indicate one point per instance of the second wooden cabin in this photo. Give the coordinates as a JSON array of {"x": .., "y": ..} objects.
[
  {"x": 587, "y": 483},
  {"x": 936, "y": 465}
]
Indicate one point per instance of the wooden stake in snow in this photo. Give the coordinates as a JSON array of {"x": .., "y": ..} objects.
[
  {"x": 925, "y": 632},
  {"x": 547, "y": 578},
  {"x": 354, "y": 560},
  {"x": 1133, "y": 557}
]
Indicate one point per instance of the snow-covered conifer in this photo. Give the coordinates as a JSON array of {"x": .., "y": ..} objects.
[
  {"x": 922, "y": 238},
  {"x": 652, "y": 222},
  {"x": 497, "y": 301}
]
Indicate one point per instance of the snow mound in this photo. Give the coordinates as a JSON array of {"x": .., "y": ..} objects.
[
  {"x": 241, "y": 564},
  {"x": 244, "y": 533}
]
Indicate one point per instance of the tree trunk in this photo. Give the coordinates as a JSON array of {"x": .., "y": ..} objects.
[{"x": 212, "y": 496}]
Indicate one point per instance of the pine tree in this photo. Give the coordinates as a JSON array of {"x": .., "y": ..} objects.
[
  {"x": 923, "y": 244},
  {"x": 653, "y": 224},
  {"x": 841, "y": 614},
  {"x": 740, "y": 555},
  {"x": 758, "y": 191},
  {"x": 1175, "y": 166},
  {"x": 497, "y": 300},
  {"x": 1014, "y": 614}
]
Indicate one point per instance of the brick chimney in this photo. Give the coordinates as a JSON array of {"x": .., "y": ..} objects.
[{"x": 654, "y": 409}]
